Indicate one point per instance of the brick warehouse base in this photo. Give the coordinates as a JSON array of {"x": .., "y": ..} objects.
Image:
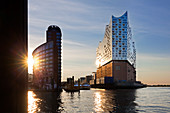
[{"x": 120, "y": 70}]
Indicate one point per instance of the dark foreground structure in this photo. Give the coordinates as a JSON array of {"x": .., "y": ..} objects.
[{"x": 13, "y": 48}]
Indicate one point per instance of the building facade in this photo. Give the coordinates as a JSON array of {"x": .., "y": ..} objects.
[
  {"x": 116, "y": 54},
  {"x": 47, "y": 60}
]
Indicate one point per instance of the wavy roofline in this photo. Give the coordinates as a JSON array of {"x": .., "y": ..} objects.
[{"x": 121, "y": 15}]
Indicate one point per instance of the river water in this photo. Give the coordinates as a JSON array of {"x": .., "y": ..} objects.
[{"x": 144, "y": 100}]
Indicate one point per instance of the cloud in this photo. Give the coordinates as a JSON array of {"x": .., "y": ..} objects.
[
  {"x": 69, "y": 42},
  {"x": 153, "y": 57}
]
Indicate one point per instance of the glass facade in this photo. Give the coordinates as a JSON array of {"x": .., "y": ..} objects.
[
  {"x": 47, "y": 60},
  {"x": 117, "y": 43}
]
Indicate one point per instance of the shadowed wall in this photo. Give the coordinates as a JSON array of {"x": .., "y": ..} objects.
[{"x": 13, "y": 55}]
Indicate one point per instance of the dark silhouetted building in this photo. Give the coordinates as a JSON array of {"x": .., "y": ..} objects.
[
  {"x": 88, "y": 78},
  {"x": 47, "y": 61}
]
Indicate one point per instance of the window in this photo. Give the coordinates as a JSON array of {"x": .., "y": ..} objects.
[
  {"x": 51, "y": 54},
  {"x": 117, "y": 67},
  {"x": 50, "y": 50},
  {"x": 57, "y": 36},
  {"x": 57, "y": 33},
  {"x": 49, "y": 32},
  {"x": 50, "y": 44},
  {"x": 58, "y": 44}
]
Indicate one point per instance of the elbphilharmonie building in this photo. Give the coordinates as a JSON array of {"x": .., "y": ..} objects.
[{"x": 116, "y": 53}]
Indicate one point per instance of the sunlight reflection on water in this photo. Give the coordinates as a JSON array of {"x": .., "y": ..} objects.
[
  {"x": 97, "y": 100},
  {"x": 32, "y": 102}
]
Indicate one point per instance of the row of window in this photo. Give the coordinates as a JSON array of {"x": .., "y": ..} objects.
[
  {"x": 58, "y": 44},
  {"x": 51, "y": 33},
  {"x": 44, "y": 47},
  {"x": 58, "y": 40},
  {"x": 123, "y": 43},
  {"x": 58, "y": 37},
  {"x": 118, "y": 20},
  {"x": 118, "y": 29},
  {"x": 43, "y": 52},
  {"x": 117, "y": 48},
  {"x": 119, "y": 58}
]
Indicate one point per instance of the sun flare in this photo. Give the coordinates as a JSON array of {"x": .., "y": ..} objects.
[{"x": 30, "y": 62}]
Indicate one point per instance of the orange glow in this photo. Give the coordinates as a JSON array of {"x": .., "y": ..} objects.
[
  {"x": 30, "y": 61},
  {"x": 98, "y": 63},
  {"x": 36, "y": 62},
  {"x": 32, "y": 102},
  {"x": 98, "y": 102}
]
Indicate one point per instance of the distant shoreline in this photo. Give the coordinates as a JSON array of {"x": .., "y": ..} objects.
[{"x": 158, "y": 85}]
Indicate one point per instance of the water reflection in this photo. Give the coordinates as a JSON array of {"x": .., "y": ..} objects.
[
  {"x": 32, "y": 102},
  {"x": 116, "y": 101},
  {"x": 95, "y": 100},
  {"x": 44, "y": 102},
  {"x": 98, "y": 102}
]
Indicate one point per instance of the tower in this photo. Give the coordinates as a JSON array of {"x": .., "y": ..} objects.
[
  {"x": 47, "y": 57},
  {"x": 54, "y": 34}
]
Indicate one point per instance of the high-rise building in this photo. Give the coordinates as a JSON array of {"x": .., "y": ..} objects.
[
  {"x": 116, "y": 54},
  {"x": 47, "y": 61}
]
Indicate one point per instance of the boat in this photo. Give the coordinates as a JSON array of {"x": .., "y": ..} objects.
[
  {"x": 71, "y": 88},
  {"x": 85, "y": 86}
]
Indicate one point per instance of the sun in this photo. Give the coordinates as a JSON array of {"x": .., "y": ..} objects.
[{"x": 30, "y": 62}]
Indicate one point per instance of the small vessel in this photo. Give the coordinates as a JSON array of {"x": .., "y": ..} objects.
[
  {"x": 71, "y": 88},
  {"x": 85, "y": 86}
]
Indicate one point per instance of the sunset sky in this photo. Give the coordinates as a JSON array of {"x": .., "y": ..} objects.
[{"x": 83, "y": 25}]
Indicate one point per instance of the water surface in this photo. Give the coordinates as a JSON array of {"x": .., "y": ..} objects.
[{"x": 145, "y": 100}]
